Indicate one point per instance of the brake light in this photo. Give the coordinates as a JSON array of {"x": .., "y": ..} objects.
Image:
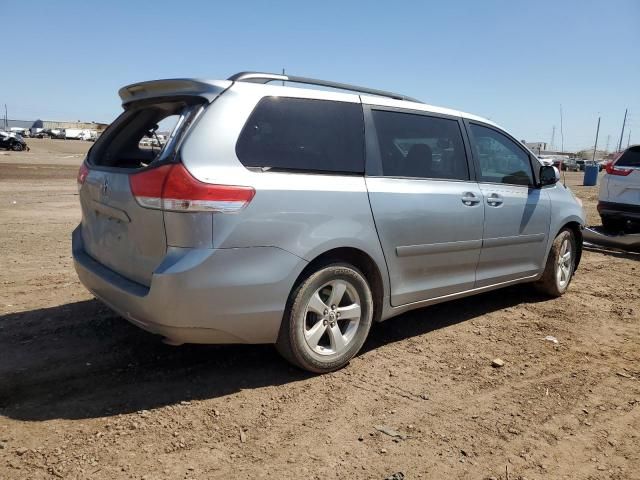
[
  {"x": 613, "y": 170},
  {"x": 172, "y": 187},
  {"x": 82, "y": 174}
]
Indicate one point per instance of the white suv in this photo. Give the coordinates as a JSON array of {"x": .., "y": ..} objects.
[{"x": 619, "y": 200}]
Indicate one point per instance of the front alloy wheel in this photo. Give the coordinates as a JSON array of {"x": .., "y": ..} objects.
[
  {"x": 564, "y": 267},
  {"x": 560, "y": 265}
]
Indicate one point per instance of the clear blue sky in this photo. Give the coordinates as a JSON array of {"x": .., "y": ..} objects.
[{"x": 512, "y": 61}]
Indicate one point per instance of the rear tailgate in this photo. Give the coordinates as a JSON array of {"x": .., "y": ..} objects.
[
  {"x": 623, "y": 184},
  {"x": 116, "y": 230}
]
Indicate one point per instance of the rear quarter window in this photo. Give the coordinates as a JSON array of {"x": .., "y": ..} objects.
[
  {"x": 303, "y": 135},
  {"x": 630, "y": 158}
]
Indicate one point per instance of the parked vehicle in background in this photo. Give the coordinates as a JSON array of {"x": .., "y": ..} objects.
[
  {"x": 580, "y": 164},
  {"x": 73, "y": 133},
  {"x": 559, "y": 163},
  {"x": 12, "y": 141},
  {"x": 570, "y": 165},
  {"x": 78, "y": 134},
  {"x": 50, "y": 133},
  {"x": 546, "y": 160},
  {"x": 619, "y": 200},
  {"x": 58, "y": 133},
  {"x": 594, "y": 163},
  {"x": 23, "y": 132},
  {"x": 298, "y": 217}
]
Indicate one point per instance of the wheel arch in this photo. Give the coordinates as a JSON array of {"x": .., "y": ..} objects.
[{"x": 359, "y": 259}]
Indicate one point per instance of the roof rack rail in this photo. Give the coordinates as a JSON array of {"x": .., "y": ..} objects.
[{"x": 259, "y": 77}]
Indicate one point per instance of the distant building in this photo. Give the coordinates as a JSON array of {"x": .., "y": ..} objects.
[
  {"x": 536, "y": 147},
  {"x": 15, "y": 124},
  {"x": 51, "y": 124}
]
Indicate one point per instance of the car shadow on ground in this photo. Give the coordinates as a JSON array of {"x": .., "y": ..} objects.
[{"x": 80, "y": 360}]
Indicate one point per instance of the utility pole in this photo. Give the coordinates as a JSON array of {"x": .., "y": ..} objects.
[
  {"x": 622, "y": 132},
  {"x": 629, "y": 138},
  {"x": 561, "y": 131},
  {"x": 553, "y": 137},
  {"x": 6, "y": 118},
  {"x": 283, "y": 74},
  {"x": 595, "y": 146},
  {"x": 608, "y": 140}
]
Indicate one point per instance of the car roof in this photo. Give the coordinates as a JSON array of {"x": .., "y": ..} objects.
[{"x": 212, "y": 88}]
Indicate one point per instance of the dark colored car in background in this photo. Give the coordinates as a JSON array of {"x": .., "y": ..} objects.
[{"x": 12, "y": 141}]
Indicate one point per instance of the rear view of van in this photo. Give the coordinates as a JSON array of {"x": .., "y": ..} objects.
[{"x": 191, "y": 243}]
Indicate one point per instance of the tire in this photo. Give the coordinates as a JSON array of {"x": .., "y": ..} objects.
[
  {"x": 318, "y": 334},
  {"x": 612, "y": 224},
  {"x": 558, "y": 274},
  {"x": 16, "y": 147}
]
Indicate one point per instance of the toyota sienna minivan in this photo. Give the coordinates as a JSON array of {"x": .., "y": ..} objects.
[{"x": 299, "y": 216}]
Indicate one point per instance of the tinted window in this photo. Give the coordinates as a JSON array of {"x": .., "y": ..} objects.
[
  {"x": 420, "y": 146},
  {"x": 302, "y": 134},
  {"x": 630, "y": 158},
  {"x": 501, "y": 159}
]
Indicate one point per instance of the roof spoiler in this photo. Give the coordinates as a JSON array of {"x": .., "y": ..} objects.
[
  {"x": 259, "y": 77},
  {"x": 171, "y": 88}
]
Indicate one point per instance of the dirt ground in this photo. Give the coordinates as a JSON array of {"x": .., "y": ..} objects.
[{"x": 83, "y": 394}]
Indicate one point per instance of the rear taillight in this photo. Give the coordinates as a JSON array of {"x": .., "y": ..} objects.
[
  {"x": 82, "y": 174},
  {"x": 172, "y": 187},
  {"x": 613, "y": 170}
]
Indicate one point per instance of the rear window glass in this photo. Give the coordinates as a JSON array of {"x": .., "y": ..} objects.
[
  {"x": 303, "y": 134},
  {"x": 630, "y": 158},
  {"x": 142, "y": 134}
]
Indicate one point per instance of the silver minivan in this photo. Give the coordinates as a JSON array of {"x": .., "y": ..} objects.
[{"x": 264, "y": 213}]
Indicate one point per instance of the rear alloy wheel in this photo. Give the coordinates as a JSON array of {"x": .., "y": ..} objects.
[
  {"x": 560, "y": 265},
  {"x": 327, "y": 319},
  {"x": 16, "y": 147}
]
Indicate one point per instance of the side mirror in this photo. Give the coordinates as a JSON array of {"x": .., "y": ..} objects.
[{"x": 549, "y": 175}]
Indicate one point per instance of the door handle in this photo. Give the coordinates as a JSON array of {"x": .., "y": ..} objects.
[
  {"x": 470, "y": 199},
  {"x": 495, "y": 200}
]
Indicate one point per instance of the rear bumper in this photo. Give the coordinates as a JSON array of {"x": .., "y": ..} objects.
[
  {"x": 233, "y": 295},
  {"x": 619, "y": 210}
]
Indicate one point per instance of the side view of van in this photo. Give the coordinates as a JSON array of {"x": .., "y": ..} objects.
[{"x": 300, "y": 216}]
